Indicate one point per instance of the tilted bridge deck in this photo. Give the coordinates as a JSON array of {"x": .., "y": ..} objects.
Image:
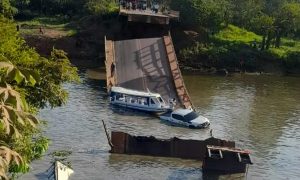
[{"x": 146, "y": 64}]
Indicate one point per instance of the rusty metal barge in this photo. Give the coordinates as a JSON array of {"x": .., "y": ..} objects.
[{"x": 216, "y": 154}]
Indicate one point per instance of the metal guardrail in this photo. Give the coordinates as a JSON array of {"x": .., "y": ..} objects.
[
  {"x": 184, "y": 98},
  {"x": 109, "y": 64}
]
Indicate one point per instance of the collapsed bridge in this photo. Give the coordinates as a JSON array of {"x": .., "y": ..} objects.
[{"x": 146, "y": 64}]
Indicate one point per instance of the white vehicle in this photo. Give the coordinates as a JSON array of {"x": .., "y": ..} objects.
[
  {"x": 139, "y": 100},
  {"x": 186, "y": 117}
]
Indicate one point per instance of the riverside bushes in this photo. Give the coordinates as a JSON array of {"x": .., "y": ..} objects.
[
  {"x": 234, "y": 48},
  {"x": 28, "y": 82}
]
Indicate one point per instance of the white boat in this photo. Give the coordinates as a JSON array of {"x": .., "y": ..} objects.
[
  {"x": 139, "y": 100},
  {"x": 59, "y": 171},
  {"x": 186, "y": 117}
]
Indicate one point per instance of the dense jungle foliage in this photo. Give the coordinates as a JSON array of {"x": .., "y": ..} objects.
[
  {"x": 245, "y": 33},
  {"x": 233, "y": 34},
  {"x": 28, "y": 82}
]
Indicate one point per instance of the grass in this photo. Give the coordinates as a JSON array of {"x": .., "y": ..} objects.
[
  {"x": 60, "y": 23},
  {"x": 235, "y": 34},
  {"x": 232, "y": 44},
  {"x": 232, "y": 33}
]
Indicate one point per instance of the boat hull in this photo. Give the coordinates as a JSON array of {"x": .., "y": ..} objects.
[{"x": 140, "y": 108}]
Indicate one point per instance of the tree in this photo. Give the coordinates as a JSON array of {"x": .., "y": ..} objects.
[
  {"x": 208, "y": 14},
  {"x": 101, "y": 7},
  {"x": 15, "y": 118},
  {"x": 27, "y": 82},
  {"x": 244, "y": 11},
  {"x": 6, "y": 9},
  {"x": 287, "y": 20},
  {"x": 7, "y": 157},
  {"x": 264, "y": 25}
]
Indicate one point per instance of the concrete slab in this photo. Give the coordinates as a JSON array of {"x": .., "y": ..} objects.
[{"x": 142, "y": 64}]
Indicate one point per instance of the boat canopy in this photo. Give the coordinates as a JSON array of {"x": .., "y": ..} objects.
[{"x": 116, "y": 89}]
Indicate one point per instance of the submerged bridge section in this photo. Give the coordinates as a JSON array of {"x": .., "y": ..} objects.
[{"x": 146, "y": 64}]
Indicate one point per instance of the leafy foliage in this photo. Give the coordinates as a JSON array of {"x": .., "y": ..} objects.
[
  {"x": 6, "y": 9},
  {"x": 233, "y": 33},
  {"x": 27, "y": 82},
  {"x": 232, "y": 45},
  {"x": 102, "y": 7},
  {"x": 53, "y": 73},
  {"x": 14, "y": 74},
  {"x": 8, "y": 157}
]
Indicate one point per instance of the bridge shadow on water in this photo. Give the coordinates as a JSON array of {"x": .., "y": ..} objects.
[{"x": 182, "y": 169}]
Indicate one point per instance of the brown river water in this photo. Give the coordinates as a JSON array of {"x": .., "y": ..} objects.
[{"x": 260, "y": 113}]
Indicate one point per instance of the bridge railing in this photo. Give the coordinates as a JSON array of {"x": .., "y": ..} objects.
[{"x": 176, "y": 73}]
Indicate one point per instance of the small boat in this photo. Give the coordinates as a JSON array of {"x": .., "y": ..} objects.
[
  {"x": 59, "y": 171},
  {"x": 138, "y": 100},
  {"x": 185, "y": 117}
]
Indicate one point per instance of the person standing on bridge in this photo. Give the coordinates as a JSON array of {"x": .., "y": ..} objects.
[
  {"x": 172, "y": 103},
  {"x": 112, "y": 69},
  {"x": 130, "y": 5}
]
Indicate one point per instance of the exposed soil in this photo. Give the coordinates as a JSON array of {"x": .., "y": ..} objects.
[{"x": 85, "y": 49}]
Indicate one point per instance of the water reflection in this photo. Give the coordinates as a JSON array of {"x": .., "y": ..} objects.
[
  {"x": 260, "y": 113},
  {"x": 257, "y": 112},
  {"x": 170, "y": 168}
]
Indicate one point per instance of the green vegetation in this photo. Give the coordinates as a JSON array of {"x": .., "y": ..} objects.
[
  {"x": 242, "y": 34},
  {"x": 237, "y": 35},
  {"x": 28, "y": 9},
  {"x": 233, "y": 47},
  {"x": 28, "y": 82},
  {"x": 234, "y": 34},
  {"x": 102, "y": 7},
  {"x": 59, "y": 23}
]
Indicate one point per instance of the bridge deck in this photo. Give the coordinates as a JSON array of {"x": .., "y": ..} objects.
[
  {"x": 143, "y": 64},
  {"x": 170, "y": 14},
  {"x": 148, "y": 16}
]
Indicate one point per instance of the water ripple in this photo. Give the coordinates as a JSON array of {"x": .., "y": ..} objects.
[{"x": 259, "y": 113}]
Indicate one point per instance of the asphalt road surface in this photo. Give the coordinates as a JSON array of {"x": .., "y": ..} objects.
[{"x": 142, "y": 64}]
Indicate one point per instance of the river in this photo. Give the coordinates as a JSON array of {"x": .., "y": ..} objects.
[{"x": 260, "y": 113}]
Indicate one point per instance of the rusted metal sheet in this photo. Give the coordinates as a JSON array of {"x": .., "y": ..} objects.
[
  {"x": 148, "y": 146},
  {"x": 188, "y": 149},
  {"x": 226, "y": 160},
  {"x": 119, "y": 142},
  {"x": 217, "y": 155}
]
